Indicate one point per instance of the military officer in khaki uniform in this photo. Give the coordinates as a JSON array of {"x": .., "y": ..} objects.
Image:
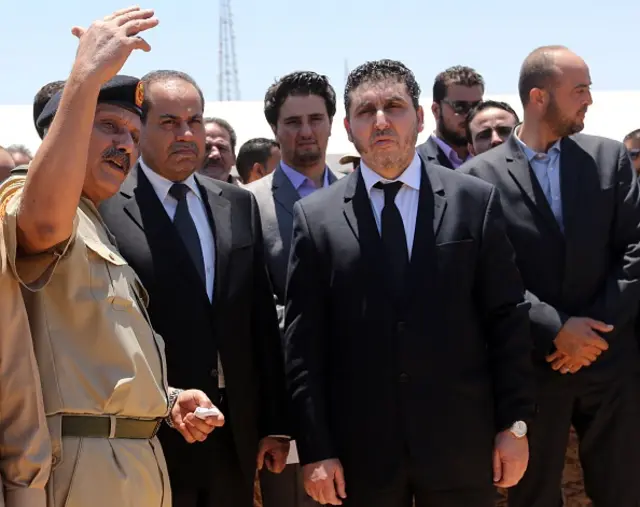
[{"x": 101, "y": 366}]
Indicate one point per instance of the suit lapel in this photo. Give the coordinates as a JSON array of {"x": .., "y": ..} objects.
[
  {"x": 146, "y": 210},
  {"x": 432, "y": 204},
  {"x": 283, "y": 190},
  {"x": 359, "y": 215},
  {"x": 520, "y": 170},
  {"x": 219, "y": 214}
]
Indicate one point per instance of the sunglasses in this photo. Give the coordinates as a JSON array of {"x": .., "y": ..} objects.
[
  {"x": 461, "y": 106},
  {"x": 634, "y": 154}
]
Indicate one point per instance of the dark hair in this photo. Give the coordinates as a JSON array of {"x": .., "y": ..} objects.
[
  {"x": 487, "y": 104},
  {"x": 42, "y": 97},
  {"x": 224, "y": 124},
  {"x": 254, "y": 150},
  {"x": 298, "y": 83},
  {"x": 538, "y": 71},
  {"x": 381, "y": 70},
  {"x": 634, "y": 134},
  {"x": 457, "y": 75},
  {"x": 20, "y": 148},
  {"x": 158, "y": 76}
]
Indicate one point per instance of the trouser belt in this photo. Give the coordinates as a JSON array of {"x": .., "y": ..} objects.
[{"x": 109, "y": 427}]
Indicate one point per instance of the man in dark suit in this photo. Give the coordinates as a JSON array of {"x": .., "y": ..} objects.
[
  {"x": 197, "y": 246},
  {"x": 407, "y": 345},
  {"x": 300, "y": 108},
  {"x": 456, "y": 91},
  {"x": 572, "y": 206}
]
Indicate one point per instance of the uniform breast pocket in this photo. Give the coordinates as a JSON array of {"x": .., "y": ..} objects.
[{"x": 108, "y": 270}]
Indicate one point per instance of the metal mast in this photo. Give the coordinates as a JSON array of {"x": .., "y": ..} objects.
[{"x": 228, "y": 83}]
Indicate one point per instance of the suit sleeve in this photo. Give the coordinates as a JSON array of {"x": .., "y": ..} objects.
[
  {"x": 617, "y": 302},
  {"x": 506, "y": 321},
  {"x": 306, "y": 344},
  {"x": 268, "y": 344}
]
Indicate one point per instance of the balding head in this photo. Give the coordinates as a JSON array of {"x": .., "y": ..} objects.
[
  {"x": 539, "y": 70},
  {"x": 6, "y": 164}
]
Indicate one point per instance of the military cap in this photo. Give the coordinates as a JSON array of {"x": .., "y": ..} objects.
[{"x": 123, "y": 91}]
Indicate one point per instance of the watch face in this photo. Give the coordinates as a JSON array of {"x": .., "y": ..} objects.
[{"x": 519, "y": 429}]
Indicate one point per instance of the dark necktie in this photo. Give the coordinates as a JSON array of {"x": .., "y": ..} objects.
[
  {"x": 393, "y": 236},
  {"x": 186, "y": 227}
]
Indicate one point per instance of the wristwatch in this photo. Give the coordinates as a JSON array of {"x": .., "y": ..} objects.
[
  {"x": 519, "y": 429},
  {"x": 173, "y": 398}
]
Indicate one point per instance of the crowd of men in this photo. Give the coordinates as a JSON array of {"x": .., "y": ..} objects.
[{"x": 422, "y": 329}]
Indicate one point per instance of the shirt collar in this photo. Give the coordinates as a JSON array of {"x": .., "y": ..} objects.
[
  {"x": 410, "y": 177},
  {"x": 162, "y": 185},
  {"x": 449, "y": 151},
  {"x": 298, "y": 179},
  {"x": 531, "y": 154}
]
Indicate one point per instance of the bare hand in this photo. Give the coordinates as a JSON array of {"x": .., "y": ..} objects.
[
  {"x": 324, "y": 481},
  {"x": 273, "y": 452},
  {"x": 185, "y": 421},
  {"x": 579, "y": 342},
  {"x": 510, "y": 459},
  {"x": 105, "y": 46}
]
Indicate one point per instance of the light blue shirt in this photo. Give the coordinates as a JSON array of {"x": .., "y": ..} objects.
[
  {"x": 303, "y": 185},
  {"x": 546, "y": 167}
]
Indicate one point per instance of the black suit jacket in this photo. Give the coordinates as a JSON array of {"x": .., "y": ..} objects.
[
  {"x": 431, "y": 152},
  {"x": 591, "y": 270},
  {"x": 241, "y": 324},
  {"x": 437, "y": 376}
]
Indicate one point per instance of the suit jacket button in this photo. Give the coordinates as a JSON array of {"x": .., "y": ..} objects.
[
  {"x": 214, "y": 373},
  {"x": 404, "y": 377}
]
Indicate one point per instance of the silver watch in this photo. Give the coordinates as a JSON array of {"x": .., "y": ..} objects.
[
  {"x": 173, "y": 397},
  {"x": 519, "y": 429}
]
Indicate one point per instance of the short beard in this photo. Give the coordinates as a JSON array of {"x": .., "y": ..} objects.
[
  {"x": 451, "y": 137},
  {"x": 561, "y": 126}
]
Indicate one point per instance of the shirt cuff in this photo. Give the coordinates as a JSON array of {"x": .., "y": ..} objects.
[
  {"x": 25, "y": 497},
  {"x": 280, "y": 436}
]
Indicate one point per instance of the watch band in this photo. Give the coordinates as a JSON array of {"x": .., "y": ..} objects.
[{"x": 173, "y": 398}]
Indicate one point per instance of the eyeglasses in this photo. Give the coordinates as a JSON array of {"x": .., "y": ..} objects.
[
  {"x": 634, "y": 154},
  {"x": 461, "y": 106}
]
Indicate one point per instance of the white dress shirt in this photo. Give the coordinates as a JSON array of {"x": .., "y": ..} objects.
[
  {"x": 198, "y": 212},
  {"x": 406, "y": 198}
]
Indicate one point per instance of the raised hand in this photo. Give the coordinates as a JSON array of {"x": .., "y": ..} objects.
[{"x": 106, "y": 45}]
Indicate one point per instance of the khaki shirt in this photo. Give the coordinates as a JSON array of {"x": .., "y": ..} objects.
[
  {"x": 25, "y": 449},
  {"x": 97, "y": 354}
]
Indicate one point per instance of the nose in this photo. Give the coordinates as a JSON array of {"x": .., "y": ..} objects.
[
  {"x": 495, "y": 138},
  {"x": 185, "y": 132},
  {"x": 214, "y": 153},
  {"x": 381, "y": 120},
  {"x": 305, "y": 130},
  {"x": 126, "y": 143}
]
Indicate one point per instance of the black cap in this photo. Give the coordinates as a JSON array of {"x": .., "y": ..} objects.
[{"x": 123, "y": 91}]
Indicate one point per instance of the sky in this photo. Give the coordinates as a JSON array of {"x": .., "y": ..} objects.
[{"x": 274, "y": 37}]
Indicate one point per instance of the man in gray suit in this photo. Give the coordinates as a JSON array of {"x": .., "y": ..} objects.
[{"x": 300, "y": 108}]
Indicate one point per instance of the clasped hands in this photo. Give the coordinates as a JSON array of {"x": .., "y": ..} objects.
[{"x": 578, "y": 345}]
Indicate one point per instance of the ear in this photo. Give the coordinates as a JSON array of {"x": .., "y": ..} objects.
[
  {"x": 471, "y": 149},
  {"x": 538, "y": 97},
  {"x": 435, "y": 109},
  {"x": 420, "y": 114},
  {"x": 347, "y": 127},
  {"x": 258, "y": 169}
]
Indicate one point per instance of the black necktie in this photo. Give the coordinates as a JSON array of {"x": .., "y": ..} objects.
[
  {"x": 393, "y": 236},
  {"x": 186, "y": 227}
]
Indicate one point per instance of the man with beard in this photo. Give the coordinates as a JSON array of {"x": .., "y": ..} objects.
[
  {"x": 456, "y": 91},
  {"x": 632, "y": 143},
  {"x": 196, "y": 244},
  {"x": 299, "y": 107},
  {"x": 572, "y": 204},
  {"x": 101, "y": 366},
  {"x": 407, "y": 339},
  {"x": 221, "y": 142}
]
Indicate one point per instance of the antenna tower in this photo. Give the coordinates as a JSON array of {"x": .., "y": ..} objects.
[{"x": 228, "y": 83}]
